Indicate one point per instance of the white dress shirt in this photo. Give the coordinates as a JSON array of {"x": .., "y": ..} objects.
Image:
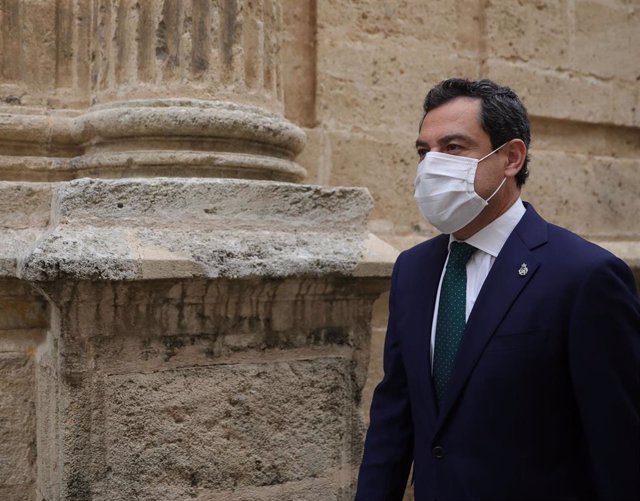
[{"x": 489, "y": 242}]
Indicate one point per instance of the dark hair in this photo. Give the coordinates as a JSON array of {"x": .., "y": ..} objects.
[{"x": 503, "y": 116}]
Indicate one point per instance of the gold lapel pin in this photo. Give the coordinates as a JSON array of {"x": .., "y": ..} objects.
[{"x": 523, "y": 270}]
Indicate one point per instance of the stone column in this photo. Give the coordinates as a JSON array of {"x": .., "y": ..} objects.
[
  {"x": 194, "y": 336},
  {"x": 108, "y": 88}
]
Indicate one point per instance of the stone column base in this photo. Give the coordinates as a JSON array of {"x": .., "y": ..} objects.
[{"x": 153, "y": 137}]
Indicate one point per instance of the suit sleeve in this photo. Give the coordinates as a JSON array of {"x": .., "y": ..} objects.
[
  {"x": 388, "y": 449},
  {"x": 604, "y": 354}
]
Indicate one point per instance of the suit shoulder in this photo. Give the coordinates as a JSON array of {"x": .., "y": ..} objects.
[
  {"x": 573, "y": 252},
  {"x": 422, "y": 249},
  {"x": 421, "y": 260},
  {"x": 576, "y": 248}
]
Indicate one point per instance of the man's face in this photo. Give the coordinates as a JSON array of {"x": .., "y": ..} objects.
[{"x": 454, "y": 128}]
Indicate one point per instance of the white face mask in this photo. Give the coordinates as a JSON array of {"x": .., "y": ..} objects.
[{"x": 445, "y": 190}]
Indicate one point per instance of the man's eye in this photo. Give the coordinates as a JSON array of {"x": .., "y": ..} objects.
[{"x": 453, "y": 148}]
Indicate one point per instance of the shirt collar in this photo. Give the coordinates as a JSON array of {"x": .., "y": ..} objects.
[{"x": 492, "y": 237}]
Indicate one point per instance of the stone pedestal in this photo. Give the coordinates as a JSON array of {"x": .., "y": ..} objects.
[{"x": 201, "y": 339}]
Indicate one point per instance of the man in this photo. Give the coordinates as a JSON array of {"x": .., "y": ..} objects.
[{"x": 512, "y": 356}]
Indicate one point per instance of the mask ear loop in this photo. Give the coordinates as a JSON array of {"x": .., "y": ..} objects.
[
  {"x": 489, "y": 154},
  {"x": 503, "y": 181},
  {"x": 497, "y": 190}
]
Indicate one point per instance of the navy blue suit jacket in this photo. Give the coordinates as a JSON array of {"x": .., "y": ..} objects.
[{"x": 544, "y": 400}]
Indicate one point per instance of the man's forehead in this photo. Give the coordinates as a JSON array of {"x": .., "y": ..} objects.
[
  {"x": 458, "y": 109},
  {"x": 460, "y": 116}
]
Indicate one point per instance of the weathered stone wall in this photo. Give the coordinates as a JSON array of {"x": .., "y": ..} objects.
[
  {"x": 576, "y": 63},
  {"x": 24, "y": 320},
  {"x": 208, "y": 389}
]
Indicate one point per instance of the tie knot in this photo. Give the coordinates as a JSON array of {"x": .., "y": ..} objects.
[{"x": 460, "y": 253}]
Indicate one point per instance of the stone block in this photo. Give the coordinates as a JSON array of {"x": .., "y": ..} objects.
[
  {"x": 103, "y": 228},
  {"x": 181, "y": 433},
  {"x": 606, "y": 38},
  {"x": 23, "y": 318},
  {"x": 22, "y": 312},
  {"x": 16, "y": 493},
  {"x": 568, "y": 96},
  {"x": 24, "y": 206},
  {"x": 24, "y": 213},
  {"x": 379, "y": 86},
  {"x": 378, "y": 258},
  {"x": 593, "y": 196},
  {"x": 216, "y": 389},
  {"x": 534, "y": 31},
  {"x": 316, "y": 157},
  {"x": 375, "y": 62},
  {"x": 363, "y": 20},
  {"x": 216, "y": 203},
  {"x": 588, "y": 139},
  {"x": 299, "y": 61},
  {"x": 320, "y": 489},
  {"x": 157, "y": 324},
  {"x": 48, "y": 432}
]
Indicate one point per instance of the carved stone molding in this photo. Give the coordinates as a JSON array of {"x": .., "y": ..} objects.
[{"x": 160, "y": 137}]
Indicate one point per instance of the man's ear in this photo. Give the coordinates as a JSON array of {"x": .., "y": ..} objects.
[{"x": 516, "y": 152}]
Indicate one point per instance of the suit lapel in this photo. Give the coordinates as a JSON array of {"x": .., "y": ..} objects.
[{"x": 501, "y": 288}]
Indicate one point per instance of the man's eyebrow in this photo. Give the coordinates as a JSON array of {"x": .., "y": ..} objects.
[
  {"x": 446, "y": 139},
  {"x": 456, "y": 137}
]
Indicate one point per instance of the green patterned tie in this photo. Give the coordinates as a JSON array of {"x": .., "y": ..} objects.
[{"x": 451, "y": 315}]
